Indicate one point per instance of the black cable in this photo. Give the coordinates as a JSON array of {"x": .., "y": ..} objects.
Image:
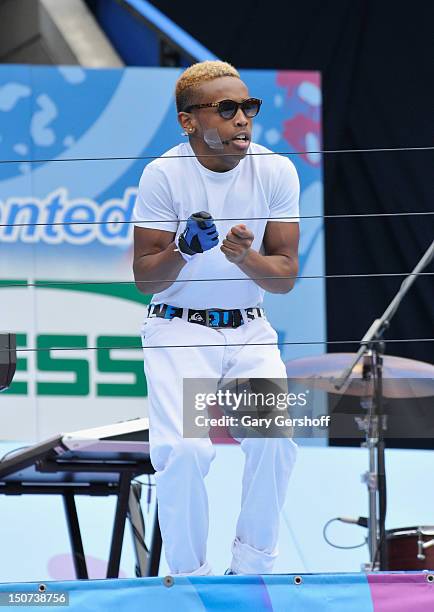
[
  {"x": 38, "y": 284},
  {"x": 376, "y": 558},
  {"x": 136, "y": 347},
  {"x": 14, "y": 450},
  {"x": 297, "y": 218},
  {"x": 149, "y": 485},
  {"x": 324, "y": 533},
  {"x": 136, "y": 532},
  {"x": 265, "y": 153}
]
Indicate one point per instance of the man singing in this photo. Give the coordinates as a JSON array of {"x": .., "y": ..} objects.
[{"x": 211, "y": 209}]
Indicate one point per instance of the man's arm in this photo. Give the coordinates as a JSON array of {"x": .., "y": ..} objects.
[
  {"x": 155, "y": 259},
  {"x": 280, "y": 259}
]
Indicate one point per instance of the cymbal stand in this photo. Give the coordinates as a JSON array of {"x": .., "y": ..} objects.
[{"x": 372, "y": 347}]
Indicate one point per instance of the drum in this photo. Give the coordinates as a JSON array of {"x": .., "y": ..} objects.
[{"x": 410, "y": 548}]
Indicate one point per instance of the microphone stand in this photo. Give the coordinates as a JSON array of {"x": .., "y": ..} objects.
[{"x": 372, "y": 348}]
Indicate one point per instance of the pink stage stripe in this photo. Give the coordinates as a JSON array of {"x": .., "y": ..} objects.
[{"x": 401, "y": 592}]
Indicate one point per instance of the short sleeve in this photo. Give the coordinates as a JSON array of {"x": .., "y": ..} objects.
[
  {"x": 154, "y": 203},
  {"x": 284, "y": 205}
]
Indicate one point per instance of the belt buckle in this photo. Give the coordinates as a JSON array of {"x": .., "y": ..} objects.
[
  {"x": 225, "y": 318},
  {"x": 222, "y": 321},
  {"x": 209, "y": 322},
  {"x": 215, "y": 313}
]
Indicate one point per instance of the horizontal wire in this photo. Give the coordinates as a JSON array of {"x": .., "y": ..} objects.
[
  {"x": 135, "y": 348},
  {"x": 258, "y": 154},
  {"x": 208, "y": 280},
  {"x": 297, "y": 218}
]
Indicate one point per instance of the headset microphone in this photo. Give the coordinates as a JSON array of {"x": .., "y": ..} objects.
[{"x": 212, "y": 139}]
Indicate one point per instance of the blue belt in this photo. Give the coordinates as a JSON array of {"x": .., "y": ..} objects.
[{"x": 212, "y": 317}]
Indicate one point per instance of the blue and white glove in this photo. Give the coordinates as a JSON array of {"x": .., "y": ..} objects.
[{"x": 199, "y": 235}]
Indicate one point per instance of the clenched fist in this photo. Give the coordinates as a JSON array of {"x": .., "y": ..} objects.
[{"x": 237, "y": 243}]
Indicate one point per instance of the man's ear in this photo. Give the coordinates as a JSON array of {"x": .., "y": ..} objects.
[{"x": 187, "y": 122}]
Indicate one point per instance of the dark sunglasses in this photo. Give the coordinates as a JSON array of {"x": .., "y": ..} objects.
[{"x": 229, "y": 108}]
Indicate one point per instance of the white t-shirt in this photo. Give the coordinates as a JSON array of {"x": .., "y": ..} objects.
[{"x": 260, "y": 187}]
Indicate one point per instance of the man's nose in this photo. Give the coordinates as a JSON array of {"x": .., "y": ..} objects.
[{"x": 240, "y": 118}]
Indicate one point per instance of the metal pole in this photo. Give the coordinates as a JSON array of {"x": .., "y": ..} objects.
[
  {"x": 75, "y": 536},
  {"x": 119, "y": 525}
]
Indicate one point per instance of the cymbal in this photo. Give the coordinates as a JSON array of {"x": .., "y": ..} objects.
[{"x": 402, "y": 378}]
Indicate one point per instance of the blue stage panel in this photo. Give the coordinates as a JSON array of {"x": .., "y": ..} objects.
[{"x": 379, "y": 592}]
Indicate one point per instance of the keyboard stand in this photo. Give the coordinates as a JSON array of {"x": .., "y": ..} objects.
[{"x": 43, "y": 471}]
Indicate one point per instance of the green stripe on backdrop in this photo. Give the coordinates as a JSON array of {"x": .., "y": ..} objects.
[
  {"x": 106, "y": 361},
  {"x": 123, "y": 292}
]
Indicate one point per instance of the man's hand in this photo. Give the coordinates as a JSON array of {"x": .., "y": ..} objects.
[
  {"x": 199, "y": 235},
  {"x": 237, "y": 243}
]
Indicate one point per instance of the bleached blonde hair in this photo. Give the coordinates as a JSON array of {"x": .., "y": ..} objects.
[{"x": 197, "y": 74}]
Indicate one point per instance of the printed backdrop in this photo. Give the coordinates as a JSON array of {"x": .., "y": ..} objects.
[{"x": 55, "y": 126}]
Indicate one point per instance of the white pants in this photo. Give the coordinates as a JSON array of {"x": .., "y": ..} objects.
[{"x": 181, "y": 463}]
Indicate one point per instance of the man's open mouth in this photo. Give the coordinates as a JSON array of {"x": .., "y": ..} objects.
[
  {"x": 241, "y": 137},
  {"x": 241, "y": 141}
]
